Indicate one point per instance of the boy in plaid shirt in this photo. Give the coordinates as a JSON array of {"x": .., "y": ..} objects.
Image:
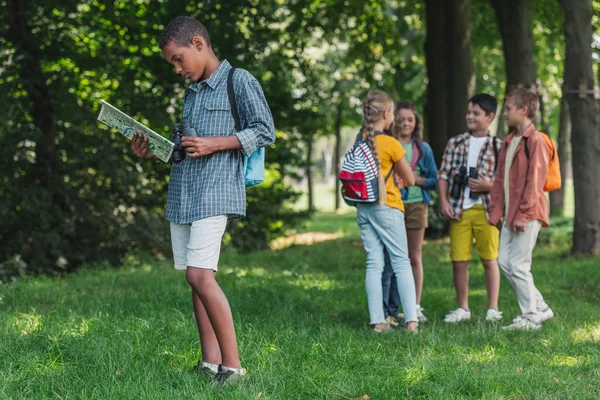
[{"x": 465, "y": 180}]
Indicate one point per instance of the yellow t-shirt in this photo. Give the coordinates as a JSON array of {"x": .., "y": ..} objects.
[{"x": 390, "y": 151}]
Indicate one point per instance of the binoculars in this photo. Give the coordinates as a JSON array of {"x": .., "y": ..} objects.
[
  {"x": 181, "y": 129},
  {"x": 461, "y": 180}
]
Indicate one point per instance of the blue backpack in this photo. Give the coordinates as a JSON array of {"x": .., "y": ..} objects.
[{"x": 254, "y": 165}]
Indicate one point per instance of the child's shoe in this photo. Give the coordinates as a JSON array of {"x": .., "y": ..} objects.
[
  {"x": 458, "y": 315},
  {"x": 546, "y": 314},
  {"x": 208, "y": 370},
  {"x": 392, "y": 321},
  {"x": 411, "y": 328},
  {"x": 381, "y": 327},
  {"x": 227, "y": 375},
  {"x": 493, "y": 315},
  {"x": 420, "y": 316},
  {"x": 523, "y": 324}
]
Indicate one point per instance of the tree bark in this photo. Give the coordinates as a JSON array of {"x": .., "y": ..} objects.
[
  {"x": 449, "y": 71},
  {"x": 585, "y": 136},
  {"x": 337, "y": 156},
  {"x": 514, "y": 20},
  {"x": 460, "y": 72},
  {"x": 557, "y": 198},
  {"x": 34, "y": 82}
]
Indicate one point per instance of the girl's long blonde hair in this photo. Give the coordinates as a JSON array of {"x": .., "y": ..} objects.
[{"x": 374, "y": 105}]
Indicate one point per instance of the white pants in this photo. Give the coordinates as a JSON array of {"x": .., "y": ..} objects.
[{"x": 515, "y": 257}]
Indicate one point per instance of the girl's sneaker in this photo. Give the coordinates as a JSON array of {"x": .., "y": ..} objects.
[
  {"x": 458, "y": 315},
  {"x": 412, "y": 328},
  {"x": 227, "y": 376},
  {"x": 493, "y": 315},
  {"x": 420, "y": 316},
  {"x": 381, "y": 327}
]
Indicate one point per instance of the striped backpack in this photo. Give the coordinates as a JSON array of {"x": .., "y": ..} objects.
[{"x": 359, "y": 174}]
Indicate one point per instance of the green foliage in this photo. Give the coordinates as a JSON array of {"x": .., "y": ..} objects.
[
  {"x": 71, "y": 190},
  {"x": 302, "y": 325}
]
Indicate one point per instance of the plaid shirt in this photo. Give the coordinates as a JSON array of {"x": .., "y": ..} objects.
[
  {"x": 214, "y": 185},
  {"x": 457, "y": 155}
]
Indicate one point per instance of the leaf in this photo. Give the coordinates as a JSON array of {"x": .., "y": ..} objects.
[
  {"x": 519, "y": 370},
  {"x": 118, "y": 373},
  {"x": 258, "y": 396},
  {"x": 364, "y": 397},
  {"x": 556, "y": 379}
]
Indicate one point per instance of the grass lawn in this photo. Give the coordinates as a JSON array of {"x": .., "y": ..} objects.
[{"x": 302, "y": 324}]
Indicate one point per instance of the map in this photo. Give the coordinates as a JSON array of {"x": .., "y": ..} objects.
[{"x": 127, "y": 126}]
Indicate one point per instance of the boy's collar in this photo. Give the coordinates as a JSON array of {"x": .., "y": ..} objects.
[{"x": 215, "y": 78}]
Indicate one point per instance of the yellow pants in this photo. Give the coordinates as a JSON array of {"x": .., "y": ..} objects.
[{"x": 474, "y": 223}]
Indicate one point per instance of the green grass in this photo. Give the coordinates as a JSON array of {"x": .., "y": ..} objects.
[{"x": 302, "y": 325}]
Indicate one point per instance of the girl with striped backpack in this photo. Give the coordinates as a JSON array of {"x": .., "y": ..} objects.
[{"x": 365, "y": 177}]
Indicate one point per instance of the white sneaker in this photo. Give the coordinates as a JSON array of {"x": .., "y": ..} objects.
[
  {"x": 493, "y": 315},
  {"x": 546, "y": 314},
  {"x": 420, "y": 316},
  {"x": 522, "y": 324},
  {"x": 458, "y": 315}
]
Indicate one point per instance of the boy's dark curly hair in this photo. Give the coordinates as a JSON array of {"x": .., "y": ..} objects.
[{"x": 181, "y": 31}]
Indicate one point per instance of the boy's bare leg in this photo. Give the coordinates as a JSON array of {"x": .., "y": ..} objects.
[
  {"x": 492, "y": 282},
  {"x": 461, "y": 283},
  {"x": 415, "y": 244},
  {"x": 211, "y": 352},
  {"x": 218, "y": 311}
]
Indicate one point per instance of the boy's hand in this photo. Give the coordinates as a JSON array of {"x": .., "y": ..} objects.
[
  {"x": 447, "y": 211},
  {"x": 199, "y": 146},
  {"x": 480, "y": 185},
  {"x": 519, "y": 226},
  {"x": 139, "y": 145}
]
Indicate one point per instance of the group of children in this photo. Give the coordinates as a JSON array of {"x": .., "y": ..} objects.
[
  {"x": 206, "y": 189},
  {"x": 491, "y": 191}
]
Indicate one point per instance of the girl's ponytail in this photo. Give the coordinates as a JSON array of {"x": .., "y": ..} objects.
[{"x": 374, "y": 105}]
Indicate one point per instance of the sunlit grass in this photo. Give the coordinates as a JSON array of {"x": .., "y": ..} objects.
[{"x": 302, "y": 326}]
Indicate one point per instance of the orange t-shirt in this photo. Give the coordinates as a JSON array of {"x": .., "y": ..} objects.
[{"x": 390, "y": 151}]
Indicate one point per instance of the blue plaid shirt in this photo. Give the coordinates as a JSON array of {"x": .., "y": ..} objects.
[{"x": 213, "y": 185}]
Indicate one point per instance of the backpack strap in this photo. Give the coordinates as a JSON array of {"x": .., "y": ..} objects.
[
  {"x": 232, "y": 102},
  {"x": 416, "y": 151},
  {"x": 390, "y": 173},
  {"x": 494, "y": 145}
]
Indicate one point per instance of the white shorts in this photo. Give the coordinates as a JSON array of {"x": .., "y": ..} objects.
[{"x": 198, "y": 244}]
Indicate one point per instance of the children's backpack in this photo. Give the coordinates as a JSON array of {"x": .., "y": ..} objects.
[
  {"x": 553, "y": 181},
  {"x": 254, "y": 165},
  {"x": 359, "y": 174}
]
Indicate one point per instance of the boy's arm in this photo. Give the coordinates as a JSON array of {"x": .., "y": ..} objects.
[
  {"x": 497, "y": 192},
  {"x": 536, "y": 179},
  {"x": 260, "y": 129}
]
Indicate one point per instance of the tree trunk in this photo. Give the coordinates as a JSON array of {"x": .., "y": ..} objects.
[
  {"x": 34, "y": 82},
  {"x": 449, "y": 71},
  {"x": 557, "y": 198},
  {"x": 514, "y": 20},
  {"x": 585, "y": 136},
  {"x": 337, "y": 156},
  {"x": 460, "y": 72},
  {"x": 308, "y": 172}
]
